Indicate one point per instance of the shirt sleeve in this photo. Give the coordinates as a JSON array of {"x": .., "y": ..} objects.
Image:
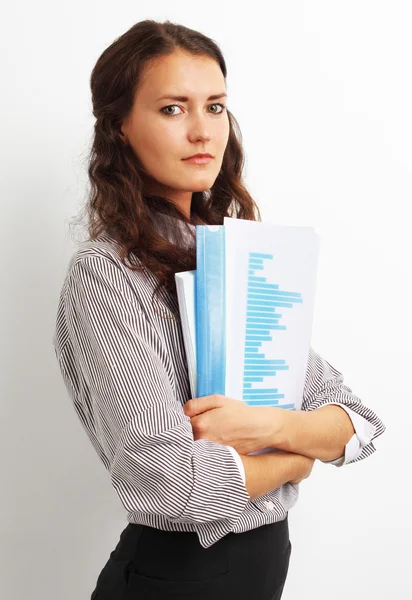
[
  {"x": 239, "y": 463},
  {"x": 364, "y": 432},
  {"x": 324, "y": 384},
  {"x": 156, "y": 465}
]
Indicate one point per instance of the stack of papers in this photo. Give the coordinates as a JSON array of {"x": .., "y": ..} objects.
[
  {"x": 185, "y": 286},
  {"x": 247, "y": 311}
]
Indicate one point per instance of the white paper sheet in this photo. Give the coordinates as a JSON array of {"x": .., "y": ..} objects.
[{"x": 286, "y": 260}]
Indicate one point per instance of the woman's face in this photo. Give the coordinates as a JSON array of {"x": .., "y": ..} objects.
[{"x": 164, "y": 131}]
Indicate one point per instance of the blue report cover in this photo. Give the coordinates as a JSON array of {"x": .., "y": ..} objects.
[{"x": 210, "y": 307}]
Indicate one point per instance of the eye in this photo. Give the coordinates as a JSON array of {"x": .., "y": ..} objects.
[
  {"x": 168, "y": 114},
  {"x": 223, "y": 107}
]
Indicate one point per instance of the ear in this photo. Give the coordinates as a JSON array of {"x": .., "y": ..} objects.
[{"x": 123, "y": 137}]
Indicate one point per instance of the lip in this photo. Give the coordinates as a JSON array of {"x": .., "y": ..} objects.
[
  {"x": 199, "y": 159},
  {"x": 200, "y": 155}
]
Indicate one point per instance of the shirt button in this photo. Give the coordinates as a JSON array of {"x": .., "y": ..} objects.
[{"x": 269, "y": 504}]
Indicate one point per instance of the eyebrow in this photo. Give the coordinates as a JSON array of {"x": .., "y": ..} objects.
[{"x": 186, "y": 99}]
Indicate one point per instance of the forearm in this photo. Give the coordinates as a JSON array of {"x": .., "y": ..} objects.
[
  {"x": 322, "y": 433},
  {"x": 266, "y": 472}
]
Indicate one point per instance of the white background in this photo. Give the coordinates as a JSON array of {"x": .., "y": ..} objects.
[{"x": 322, "y": 92}]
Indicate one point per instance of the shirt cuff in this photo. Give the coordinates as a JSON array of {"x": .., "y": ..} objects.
[
  {"x": 239, "y": 462},
  {"x": 364, "y": 432}
]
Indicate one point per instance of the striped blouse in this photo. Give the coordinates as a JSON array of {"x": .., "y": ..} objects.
[{"x": 123, "y": 362}]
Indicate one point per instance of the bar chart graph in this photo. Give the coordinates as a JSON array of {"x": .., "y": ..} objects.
[{"x": 263, "y": 321}]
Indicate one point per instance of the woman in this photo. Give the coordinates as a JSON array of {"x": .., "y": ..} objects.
[{"x": 206, "y": 521}]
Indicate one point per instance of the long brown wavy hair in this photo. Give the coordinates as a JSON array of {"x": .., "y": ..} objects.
[{"x": 117, "y": 203}]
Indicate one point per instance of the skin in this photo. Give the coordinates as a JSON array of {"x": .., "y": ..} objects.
[
  {"x": 319, "y": 434},
  {"x": 162, "y": 137}
]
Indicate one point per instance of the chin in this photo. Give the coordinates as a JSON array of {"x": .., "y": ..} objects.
[
  {"x": 200, "y": 185},
  {"x": 200, "y": 188}
]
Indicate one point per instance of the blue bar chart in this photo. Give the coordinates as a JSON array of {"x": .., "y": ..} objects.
[{"x": 263, "y": 322}]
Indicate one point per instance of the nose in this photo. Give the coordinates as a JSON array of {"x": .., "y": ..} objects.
[{"x": 199, "y": 128}]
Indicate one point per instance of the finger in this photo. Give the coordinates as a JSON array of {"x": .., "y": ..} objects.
[{"x": 195, "y": 406}]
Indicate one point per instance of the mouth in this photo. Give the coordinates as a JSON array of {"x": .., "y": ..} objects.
[
  {"x": 199, "y": 159},
  {"x": 200, "y": 155}
]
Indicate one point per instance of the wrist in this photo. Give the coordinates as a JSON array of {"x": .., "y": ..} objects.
[
  {"x": 320, "y": 434},
  {"x": 283, "y": 429}
]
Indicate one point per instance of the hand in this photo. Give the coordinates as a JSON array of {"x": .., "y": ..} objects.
[
  {"x": 232, "y": 422},
  {"x": 305, "y": 469}
]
